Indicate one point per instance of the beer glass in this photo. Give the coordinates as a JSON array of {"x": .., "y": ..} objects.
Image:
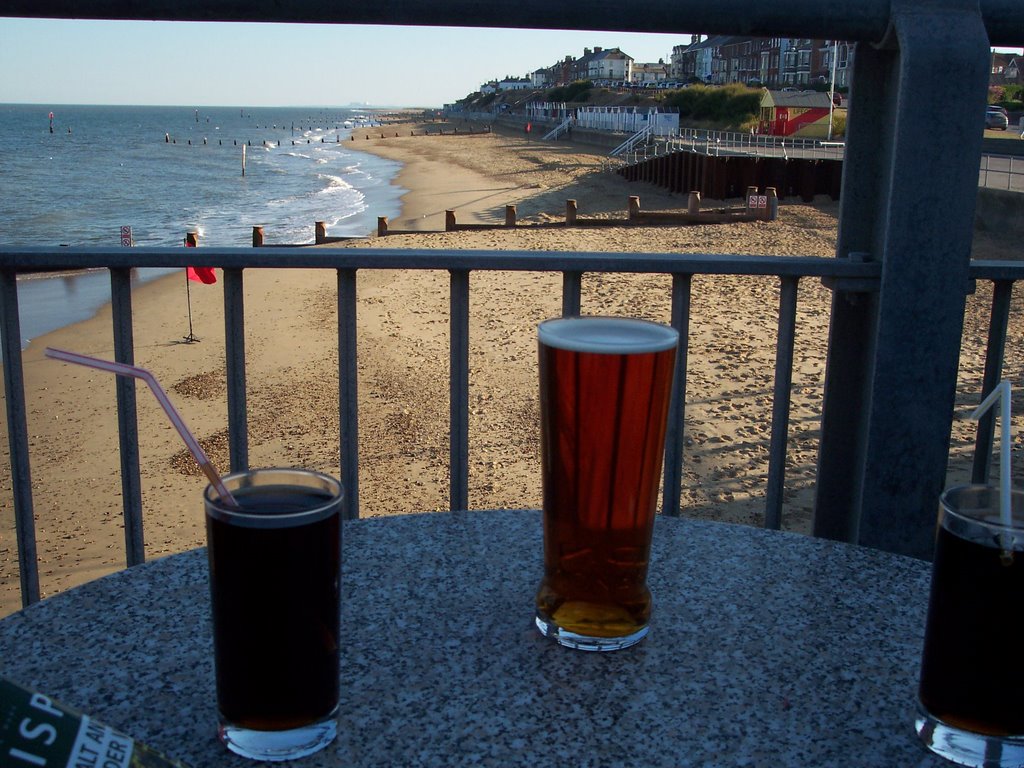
[
  {"x": 605, "y": 385},
  {"x": 275, "y": 568},
  {"x": 970, "y": 706}
]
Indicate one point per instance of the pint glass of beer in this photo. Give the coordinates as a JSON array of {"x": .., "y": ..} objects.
[
  {"x": 970, "y": 706},
  {"x": 275, "y": 567},
  {"x": 605, "y": 385}
]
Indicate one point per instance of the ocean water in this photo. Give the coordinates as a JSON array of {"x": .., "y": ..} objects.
[{"x": 166, "y": 171}]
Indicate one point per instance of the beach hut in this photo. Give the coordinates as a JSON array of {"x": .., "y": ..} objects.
[{"x": 795, "y": 113}]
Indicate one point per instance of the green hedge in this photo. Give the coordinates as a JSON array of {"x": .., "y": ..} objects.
[
  {"x": 732, "y": 104},
  {"x": 575, "y": 91}
]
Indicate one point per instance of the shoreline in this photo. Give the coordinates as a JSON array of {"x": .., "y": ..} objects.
[{"x": 291, "y": 359}]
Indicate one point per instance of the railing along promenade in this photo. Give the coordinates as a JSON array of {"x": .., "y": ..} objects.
[
  {"x": 909, "y": 186},
  {"x": 845, "y": 275}
]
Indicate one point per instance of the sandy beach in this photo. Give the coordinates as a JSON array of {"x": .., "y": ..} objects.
[{"x": 291, "y": 353}]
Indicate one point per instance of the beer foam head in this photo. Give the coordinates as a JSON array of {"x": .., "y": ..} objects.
[{"x": 607, "y": 335}]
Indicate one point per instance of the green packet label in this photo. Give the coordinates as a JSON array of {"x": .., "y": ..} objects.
[{"x": 36, "y": 732}]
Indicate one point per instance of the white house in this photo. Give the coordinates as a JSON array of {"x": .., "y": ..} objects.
[
  {"x": 515, "y": 84},
  {"x": 606, "y": 64},
  {"x": 649, "y": 73}
]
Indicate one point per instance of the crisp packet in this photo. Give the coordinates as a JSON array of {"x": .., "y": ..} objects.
[{"x": 37, "y": 732}]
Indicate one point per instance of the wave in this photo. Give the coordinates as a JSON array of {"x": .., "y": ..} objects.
[{"x": 334, "y": 183}]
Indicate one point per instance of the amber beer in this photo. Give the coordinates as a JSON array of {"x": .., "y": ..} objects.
[
  {"x": 971, "y": 678},
  {"x": 274, "y": 587},
  {"x": 605, "y": 385}
]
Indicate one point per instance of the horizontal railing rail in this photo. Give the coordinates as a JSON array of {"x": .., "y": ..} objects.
[
  {"x": 840, "y": 274},
  {"x": 846, "y": 19}
]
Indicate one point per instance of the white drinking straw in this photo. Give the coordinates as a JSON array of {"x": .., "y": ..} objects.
[
  {"x": 1002, "y": 394},
  {"x": 123, "y": 369}
]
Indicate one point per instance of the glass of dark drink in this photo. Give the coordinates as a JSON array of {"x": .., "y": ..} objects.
[
  {"x": 275, "y": 567},
  {"x": 971, "y": 707},
  {"x": 605, "y": 385}
]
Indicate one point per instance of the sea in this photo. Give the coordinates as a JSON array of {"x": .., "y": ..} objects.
[{"x": 78, "y": 175}]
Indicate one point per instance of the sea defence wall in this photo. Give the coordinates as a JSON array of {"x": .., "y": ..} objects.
[{"x": 724, "y": 178}]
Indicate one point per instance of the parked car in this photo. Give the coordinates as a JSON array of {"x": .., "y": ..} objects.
[{"x": 995, "y": 118}]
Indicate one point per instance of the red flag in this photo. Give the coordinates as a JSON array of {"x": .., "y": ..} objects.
[{"x": 202, "y": 274}]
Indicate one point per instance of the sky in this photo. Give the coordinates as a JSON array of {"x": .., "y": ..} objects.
[{"x": 209, "y": 64}]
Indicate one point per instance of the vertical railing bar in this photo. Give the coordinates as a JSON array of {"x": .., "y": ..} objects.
[
  {"x": 234, "y": 353},
  {"x": 127, "y": 416},
  {"x": 672, "y": 492},
  {"x": 998, "y": 322},
  {"x": 781, "y": 402},
  {"x": 572, "y": 283},
  {"x": 17, "y": 437},
  {"x": 348, "y": 392},
  {"x": 459, "y": 390}
]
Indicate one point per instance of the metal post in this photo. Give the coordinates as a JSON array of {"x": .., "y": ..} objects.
[
  {"x": 127, "y": 417},
  {"x": 572, "y": 284},
  {"x": 459, "y": 403},
  {"x": 234, "y": 346},
  {"x": 672, "y": 491},
  {"x": 348, "y": 394},
  {"x": 780, "y": 402},
  {"x": 17, "y": 438},
  {"x": 884, "y": 451}
]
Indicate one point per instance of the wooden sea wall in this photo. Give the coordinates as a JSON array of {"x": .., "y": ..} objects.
[{"x": 723, "y": 178}]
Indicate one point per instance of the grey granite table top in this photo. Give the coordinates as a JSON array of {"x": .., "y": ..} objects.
[{"x": 766, "y": 649}]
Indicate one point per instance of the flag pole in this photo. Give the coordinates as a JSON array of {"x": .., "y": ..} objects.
[{"x": 188, "y": 298}]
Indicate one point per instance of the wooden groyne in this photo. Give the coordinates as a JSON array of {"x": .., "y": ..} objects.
[
  {"x": 438, "y": 132},
  {"x": 259, "y": 238},
  {"x": 758, "y": 206},
  {"x": 726, "y": 178},
  {"x": 361, "y": 134}
]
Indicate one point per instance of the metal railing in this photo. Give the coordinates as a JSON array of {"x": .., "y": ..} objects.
[
  {"x": 841, "y": 274},
  {"x": 1002, "y": 172},
  {"x": 910, "y": 183},
  {"x": 723, "y": 143},
  {"x": 562, "y": 127},
  {"x": 643, "y": 135}
]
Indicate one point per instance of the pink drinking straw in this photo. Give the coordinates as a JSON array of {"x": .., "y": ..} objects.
[{"x": 123, "y": 369}]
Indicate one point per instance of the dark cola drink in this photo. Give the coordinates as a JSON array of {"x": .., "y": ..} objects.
[
  {"x": 274, "y": 586},
  {"x": 971, "y": 677},
  {"x": 605, "y": 385}
]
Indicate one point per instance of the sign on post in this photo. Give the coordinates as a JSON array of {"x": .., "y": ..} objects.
[{"x": 126, "y": 237}]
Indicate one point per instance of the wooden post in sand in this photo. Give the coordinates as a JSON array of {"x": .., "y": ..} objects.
[
  {"x": 510, "y": 215},
  {"x": 693, "y": 203},
  {"x": 570, "y": 213},
  {"x": 449, "y": 221},
  {"x": 634, "y": 207},
  {"x": 382, "y": 226},
  {"x": 257, "y": 237},
  {"x": 320, "y": 232},
  {"x": 773, "y": 203}
]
